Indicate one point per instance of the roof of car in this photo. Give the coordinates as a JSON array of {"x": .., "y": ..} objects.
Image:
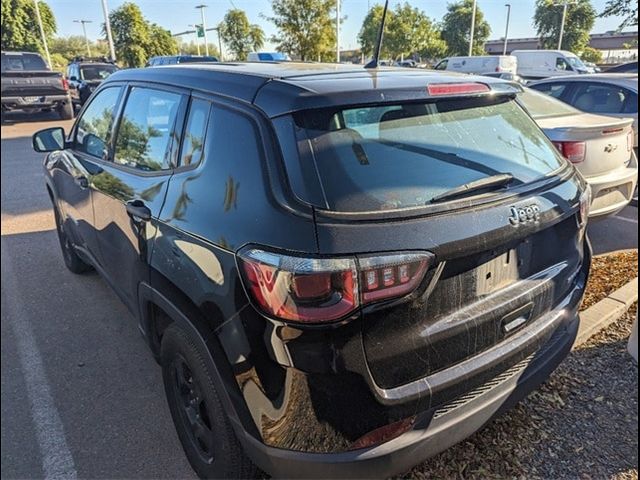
[{"x": 281, "y": 87}]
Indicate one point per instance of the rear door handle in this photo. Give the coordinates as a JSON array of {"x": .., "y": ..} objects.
[
  {"x": 81, "y": 181},
  {"x": 138, "y": 210}
]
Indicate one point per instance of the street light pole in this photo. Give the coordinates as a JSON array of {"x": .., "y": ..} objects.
[
  {"x": 84, "y": 30},
  {"x": 107, "y": 27},
  {"x": 44, "y": 38},
  {"x": 204, "y": 27},
  {"x": 338, "y": 31},
  {"x": 473, "y": 27},
  {"x": 506, "y": 30},
  {"x": 564, "y": 19}
]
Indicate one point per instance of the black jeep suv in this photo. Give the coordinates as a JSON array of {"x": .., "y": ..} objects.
[
  {"x": 85, "y": 74},
  {"x": 341, "y": 271}
]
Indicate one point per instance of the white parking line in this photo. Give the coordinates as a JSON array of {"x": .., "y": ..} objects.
[
  {"x": 625, "y": 219},
  {"x": 57, "y": 461}
]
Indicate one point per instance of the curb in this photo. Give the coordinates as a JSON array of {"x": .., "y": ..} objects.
[{"x": 606, "y": 311}]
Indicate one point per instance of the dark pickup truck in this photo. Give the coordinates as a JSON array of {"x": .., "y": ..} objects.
[{"x": 29, "y": 85}]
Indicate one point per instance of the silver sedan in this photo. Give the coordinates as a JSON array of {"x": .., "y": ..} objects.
[{"x": 600, "y": 147}]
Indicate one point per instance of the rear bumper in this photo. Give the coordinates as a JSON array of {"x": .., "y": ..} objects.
[
  {"x": 440, "y": 427},
  {"x": 435, "y": 431},
  {"x": 44, "y": 101},
  {"x": 614, "y": 190}
]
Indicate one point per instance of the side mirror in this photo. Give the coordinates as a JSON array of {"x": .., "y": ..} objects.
[{"x": 48, "y": 140}]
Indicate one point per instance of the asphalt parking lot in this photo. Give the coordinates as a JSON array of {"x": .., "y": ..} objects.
[{"x": 81, "y": 395}]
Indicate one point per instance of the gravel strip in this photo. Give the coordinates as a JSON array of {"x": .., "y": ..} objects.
[
  {"x": 608, "y": 273},
  {"x": 582, "y": 423}
]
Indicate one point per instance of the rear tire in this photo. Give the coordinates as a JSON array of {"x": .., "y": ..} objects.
[
  {"x": 206, "y": 434},
  {"x": 66, "y": 111},
  {"x": 71, "y": 259}
]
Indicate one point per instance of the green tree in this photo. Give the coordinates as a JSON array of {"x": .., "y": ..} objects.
[
  {"x": 19, "y": 28},
  {"x": 411, "y": 32},
  {"x": 74, "y": 46},
  {"x": 590, "y": 54},
  {"x": 547, "y": 19},
  {"x": 456, "y": 28},
  {"x": 408, "y": 31},
  {"x": 191, "y": 48},
  {"x": 306, "y": 28},
  {"x": 239, "y": 35},
  {"x": 628, "y": 9},
  {"x": 368, "y": 36},
  {"x": 135, "y": 39}
]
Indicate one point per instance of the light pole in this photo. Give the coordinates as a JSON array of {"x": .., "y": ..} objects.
[
  {"x": 338, "y": 31},
  {"x": 217, "y": 29},
  {"x": 107, "y": 27},
  {"x": 565, "y": 5},
  {"x": 204, "y": 27},
  {"x": 473, "y": 27},
  {"x": 44, "y": 38},
  {"x": 506, "y": 30},
  {"x": 84, "y": 30}
]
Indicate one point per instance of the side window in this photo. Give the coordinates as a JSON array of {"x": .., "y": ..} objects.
[
  {"x": 442, "y": 65},
  {"x": 600, "y": 98},
  {"x": 195, "y": 132},
  {"x": 145, "y": 130},
  {"x": 561, "y": 64},
  {"x": 553, "y": 89},
  {"x": 94, "y": 127}
]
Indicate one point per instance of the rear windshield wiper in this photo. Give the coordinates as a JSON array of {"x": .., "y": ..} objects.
[{"x": 487, "y": 183}]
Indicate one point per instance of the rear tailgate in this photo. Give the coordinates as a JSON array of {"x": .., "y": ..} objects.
[{"x": 32, "y": 83}]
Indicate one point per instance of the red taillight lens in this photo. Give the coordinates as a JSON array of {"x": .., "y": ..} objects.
[
  {"x": 65, "y": 84},
  {"x": 575, "y": 152},
  {"x": 299, "y": 289},
  {"x": 396, "y": 275},
  {"x": 456, "y": 88},
  {"x": 317, "y": 290}
]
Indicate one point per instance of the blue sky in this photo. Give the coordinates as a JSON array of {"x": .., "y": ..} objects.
[{"x": 178, "y": 14}]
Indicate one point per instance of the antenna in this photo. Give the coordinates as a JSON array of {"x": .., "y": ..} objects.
[{"x": 376, "y": 56}]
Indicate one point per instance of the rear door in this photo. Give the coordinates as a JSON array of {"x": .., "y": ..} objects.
[{"x": 130, "y": 189}]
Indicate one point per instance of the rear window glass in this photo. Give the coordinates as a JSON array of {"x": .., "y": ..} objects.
[
  {"x": 25, "y": 61},
  {"x": 540, "y": 105},
  {"x": 402, "y": 156}
]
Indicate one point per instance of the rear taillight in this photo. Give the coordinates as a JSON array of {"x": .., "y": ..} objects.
[
  {"x": 318, "y": 290},
  {"x": 575, "y": 152},
  {"x": 65, "y": 84},
  {"x": 456, "y": 88}
]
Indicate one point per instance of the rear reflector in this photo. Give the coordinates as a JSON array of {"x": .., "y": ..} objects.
[
  {"x": 457, "y": 88},
  {"x": 318, "y": 290},
  {"x": 384, "y": 434},
  {"x": 575, "y": 152}
]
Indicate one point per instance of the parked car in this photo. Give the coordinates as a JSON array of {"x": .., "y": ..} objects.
[
  {"x": 536, "y": 64},
  {"x": 613, "y": 94},
  {"x": 176, "y": 59},
  {"x": 479, "y": 64},
  {"x": 630, "y": 67},
  {"x": 407, "y": 64},
  {"x": 600, "y": 147},
  {"x": 341, "y": 273},
  {"x": 512, "y": 77},
  {"x": 85, "y": 74},
  {"x": 268, "y": 57},
  {"x": 592, "y": 67},
  {"x": 29, "y": 85}
]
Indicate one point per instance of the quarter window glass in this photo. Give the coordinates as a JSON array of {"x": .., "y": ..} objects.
[
  {"x": 144, "y": 133},
  {"x": 193, "y": 144},
  {"x": 600, "y": 98},
  {"x": 94, "y": 127},
  {"x": 561, "y": 64}
]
